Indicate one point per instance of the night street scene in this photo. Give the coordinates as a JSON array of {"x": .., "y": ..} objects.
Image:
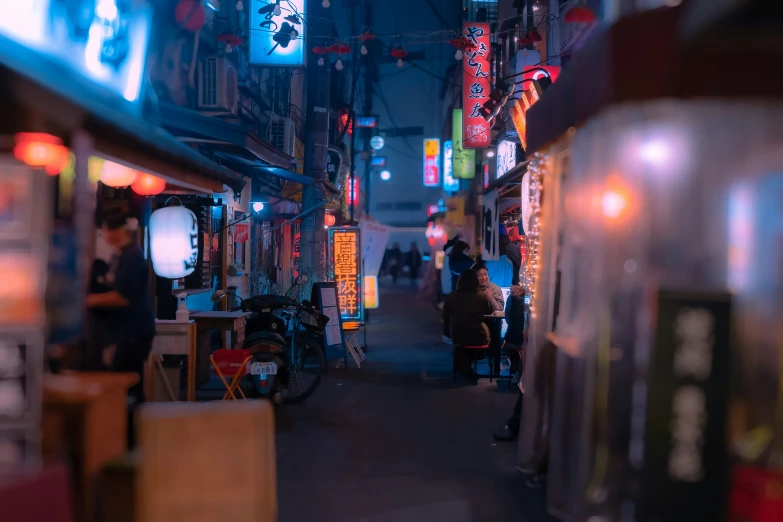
[{"x": 391, "y": 261}]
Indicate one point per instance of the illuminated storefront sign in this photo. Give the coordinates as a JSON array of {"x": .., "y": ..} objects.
[
  {"x": 351, "y": 191},
  {"x": 277, "y": 39},
  {"x": 476, "y": 85},
  {"x": 520, "y": 121},
  {"x": 450, "y": 184},
  {"x": 371, "y": 299},
  {"x": 367, "y": 122},
  {"x": 508, "y": 156},
  {"x": 431, "y": 163},
  {"x": 345, "y": 270},
  {"x": 463, "y": 161},
  {"x": 529, "y": 96},
  {"x": 378, "y": 161},
  {"x": 105, "y": 41}
]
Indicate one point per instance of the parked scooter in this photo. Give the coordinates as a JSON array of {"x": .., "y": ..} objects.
[{"x": 283, "y": 336}]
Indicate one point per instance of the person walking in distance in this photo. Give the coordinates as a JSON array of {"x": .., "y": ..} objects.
[{"x": 414, "y": 262}]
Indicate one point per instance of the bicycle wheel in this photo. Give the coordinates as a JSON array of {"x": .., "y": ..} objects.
[{"x": 306, "y": 368}]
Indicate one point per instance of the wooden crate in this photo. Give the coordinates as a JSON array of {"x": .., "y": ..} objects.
[{"x": 207, "y": 462}]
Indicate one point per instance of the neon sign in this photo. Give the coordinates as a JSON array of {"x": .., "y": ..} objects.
[
  {"x": 346, "y": 271},
  {"x": 475, "y": 93},
  {"x": 277, "y": 34},
  {"x": 431, "y": 163}
]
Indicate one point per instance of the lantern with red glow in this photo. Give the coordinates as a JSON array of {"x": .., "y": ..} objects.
[
  {"x": 399, "y": 53},
  {"x": 364, "y": 38},
  {"x": 579, "y": 14},
  {"x": 117, "y": 176},
  {"x": 351, "y": 191},
  {"x": 148, "y": 185},
  {"x": 320, "y": 50},
  {"x": 344, "y": 117},
  {"x": 231, "y": 41},
  {"x": 329, "y": 220},
  {"x": 41, "y": 151},
  {"x": 190, "y": 14},
  {"x": 462, "y": 45}
]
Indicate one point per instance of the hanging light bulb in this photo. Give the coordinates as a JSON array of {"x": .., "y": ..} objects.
[
  {"x": 326, "y": 4},
  {"x": 240, "y": 5},
  {"x": 321, "y": 60},
  {"x": 339, "y": 65},
  {"x": 363, "y": 50},
  {"x": 229, "y": 48},
  {"x": 458, "y": 55},
  {"x": 277, "y": 11},
  {"x": 399, "y": 62},
  {"x": 294, "y": 35}
]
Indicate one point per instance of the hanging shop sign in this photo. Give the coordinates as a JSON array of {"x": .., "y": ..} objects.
[
  {"x": 476, "y": 85},
  {"x": 297, "y": 254},
  {"x": 378, "y": 161},
  {"x": 276, "y": 34},
  {"x": 686, "y": 460},
  {"x": 538, "y": 72},
  {"x": 464, "y": 161},
  {"x": 490, "y": 231},
  {"x": 485, "y": 170},
  {"x": 105, "y": 42},
  {"x": 241, "y": 233},
  {"x": 351, "y": 191},
  {"x": 431, "y": 162},
  {"x": 377, "y": 142},
  {"x": 333, "y": 162},
  {"x": 346, "y": 271},
  {"x": 450, "y": 184},
  {"x": 173, "y": 242},
  {"x": 374, "y": 239},
  {"x": 371, "y": 299},
  {"x": 508, "y": 155},
  {"x": 527, "y": 98},
  {"x": 526, "y": 205}
]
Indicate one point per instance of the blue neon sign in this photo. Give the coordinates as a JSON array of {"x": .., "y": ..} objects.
[
  {"x": 277, "y": 33},
  {"x": 450, "y": 183}
]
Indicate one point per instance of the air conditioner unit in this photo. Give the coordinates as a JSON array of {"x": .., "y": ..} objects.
[
  {"x": 218, "y": 90},
  {"x": 282, "y": 134}
]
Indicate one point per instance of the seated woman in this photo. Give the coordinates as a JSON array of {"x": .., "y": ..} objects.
[
  {"x": 464, "y": 311},
  {"x": 492, "y": 291}
]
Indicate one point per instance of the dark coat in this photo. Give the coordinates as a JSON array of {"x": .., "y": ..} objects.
[
  {"x": 458, "y": 263},
  {"x": 514, "y": 253},
  {"x": 515, "y": 318},
  {"x": 464, "y": 313}
]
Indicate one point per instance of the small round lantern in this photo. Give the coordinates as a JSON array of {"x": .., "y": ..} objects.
[
  {"x": 173, "y": 242},
  {"x": 190, "y": 14},
  {"x": 148, "y": 185},
  {"x": 329, "y": 220},
  {"x": 116, "y": 175}
]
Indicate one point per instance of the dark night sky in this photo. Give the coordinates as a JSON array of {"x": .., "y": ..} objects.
[{"x": 412, "y": 97}]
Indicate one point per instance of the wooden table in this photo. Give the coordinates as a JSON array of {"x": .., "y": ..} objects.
[
  {"x": 85, "y": 419},
  {"x": 232, "y": 322},
  {"x": 173, "y": 338}
]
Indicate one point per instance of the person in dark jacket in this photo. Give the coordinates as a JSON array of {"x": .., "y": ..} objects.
[
  {"x": 464, "y": 311},
  {"x": 414, "y": 262},
  {"x": 512, "y": 252},
  {"x": 516, "y": 349},
  {"x": 395, "y": 262},
  {"x": 459, "y": 262}
]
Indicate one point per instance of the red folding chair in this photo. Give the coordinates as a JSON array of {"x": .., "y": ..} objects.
[{"x": 233, "y": 364}]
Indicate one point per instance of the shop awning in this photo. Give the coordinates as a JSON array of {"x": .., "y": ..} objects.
[
  {"x": 618, "y": 65},
  {"x": 190, "y": 125},
  {"x": 40, "y": 95},
  {"x": 510, "y": 179},
  {"x": 253, "y": 167}
]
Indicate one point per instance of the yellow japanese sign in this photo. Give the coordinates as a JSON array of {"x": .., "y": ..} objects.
[
  {"x": 431, "y": 147},
  {"x": 371, "y": 299},
  {"x": 346, "y": 271}
]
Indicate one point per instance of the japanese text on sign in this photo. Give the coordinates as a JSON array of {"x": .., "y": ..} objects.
[
  {"x": 431, "y": 163},
  {"x": 346, "y": 272},
  {"x": 476, "y": 73}
]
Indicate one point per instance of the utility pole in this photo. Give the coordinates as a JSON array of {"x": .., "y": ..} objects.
[
  {"x": 370, "y": 77},
  {"x": 317, "y": 101}
]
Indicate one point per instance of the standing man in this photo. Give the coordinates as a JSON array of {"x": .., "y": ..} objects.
[{"x": 511, "y": 250}]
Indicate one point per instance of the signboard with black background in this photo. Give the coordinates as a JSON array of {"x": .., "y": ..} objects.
[{"x": 685, "y": 477}]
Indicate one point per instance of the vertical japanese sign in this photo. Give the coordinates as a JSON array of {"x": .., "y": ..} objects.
[
  {"x": 431, "y": 163},
  {"x": 476, "y": 86},
  {"x": 450, "y": 184},
  {"x": 351, "y": 191},
  {"x": 346, "y": 271},
  {"x": 686, "y": 469},
  {"x": 464, "y": 161},
  {"x": 297, "y": 243}
]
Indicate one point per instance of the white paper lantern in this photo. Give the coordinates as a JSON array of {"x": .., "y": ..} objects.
[{"x": 174, "y": 242}]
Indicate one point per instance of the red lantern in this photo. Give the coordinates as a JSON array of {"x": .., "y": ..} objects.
[
  {"x": 525, "y": 41},
  {"x": 462, "y": 44},
  {"x": 579, "y": 15},
  {"x": 329, "y": 220},
  {"x": 399, "y": 52},
  {"x": 366, "y": 37},
  {"x": 320, "y": 49},
  {"x": 230, "y": 40},
  {"x": 535, "y": 35},
  {"x": 42, "y": 151},
  {"x": 148, "y": 185},
  {"x": 190, "y": 14}
]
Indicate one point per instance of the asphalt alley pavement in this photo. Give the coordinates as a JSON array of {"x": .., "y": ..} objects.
[{"x": 397, "y": 440}]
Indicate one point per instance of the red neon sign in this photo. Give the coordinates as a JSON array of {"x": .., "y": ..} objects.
[
  {"x": 351, "y": 191},
  {"x": 476, "y": 86}
]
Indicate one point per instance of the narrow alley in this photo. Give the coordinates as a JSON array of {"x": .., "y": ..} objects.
[{"x": 397, "y": 440}]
